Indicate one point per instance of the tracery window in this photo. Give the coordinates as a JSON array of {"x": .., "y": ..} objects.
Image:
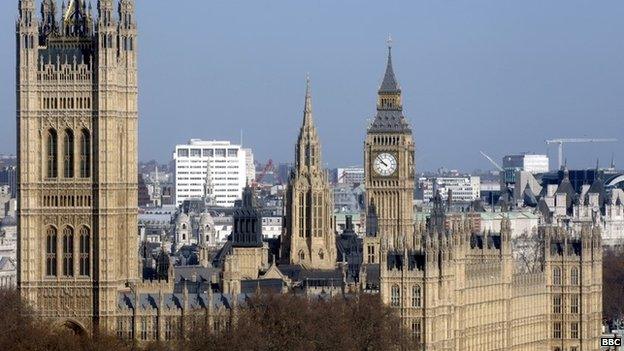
[
  {"x": 395, "y": 296},
  {"x": 85, "y": 154},
  {"x": 557, "y": 276},
  {"x": 52, "y": 153},
  {"x": 68, "y": 159},
  {"x": 574, "y": 276},
  {"x": 416, "y": 298},
  {"x": 51, "y": 237},
  {"x": 68, "y": 251},
  {"x": 85, "y": 251}
]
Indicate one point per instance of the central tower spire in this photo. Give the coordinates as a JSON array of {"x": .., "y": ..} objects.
[{"x": 309, "y": 238}]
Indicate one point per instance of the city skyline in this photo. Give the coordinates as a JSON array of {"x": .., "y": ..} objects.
[
  {"x": 455, "y": 81},
  {"x": 100, "y": 248}
]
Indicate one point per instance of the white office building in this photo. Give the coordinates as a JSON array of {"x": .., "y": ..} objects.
[
  {"x": 463, "y": 189},
  {"x": 526, "y": 162},
  {"x": 228, "y": 171},
  {"x": 251, "y": 168}
]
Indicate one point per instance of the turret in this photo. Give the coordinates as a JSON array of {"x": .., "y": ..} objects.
[
  {"x": 48, "y": 23},
  {"x": 127, "y": 28}
]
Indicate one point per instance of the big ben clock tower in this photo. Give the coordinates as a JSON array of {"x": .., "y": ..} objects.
[{"x": 389, "y": 168}]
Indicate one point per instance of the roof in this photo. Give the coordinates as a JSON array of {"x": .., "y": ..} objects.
[
  {"x": 389, "y": 83},
  {"x": 147, "y": 301},
  {"x": 7, "y": 264},
  {"x": 299, "y": 273},
  {"x": 390, "y": 121},
  {"x": 251, "y": 286}
]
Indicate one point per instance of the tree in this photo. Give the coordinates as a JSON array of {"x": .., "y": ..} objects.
[{"x": 290, "y": 322}]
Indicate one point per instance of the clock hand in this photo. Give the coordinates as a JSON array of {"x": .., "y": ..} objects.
[{"x": 382, "y": 162}]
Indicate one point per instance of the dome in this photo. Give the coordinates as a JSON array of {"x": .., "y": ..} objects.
[
  {"x": 182, "y": 218},
  {"x": 206, "y": 219}
]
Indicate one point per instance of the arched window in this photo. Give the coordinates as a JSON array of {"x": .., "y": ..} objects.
[
  {"x": 52, "y": 152},
  {"x": 574, "y": 276},
  {"x": 68, "y": 158},
  {"x": 301, "y": 255},
  {"x": 68, "y": 251},
  {"x": 416, "y": 300},
  {"x": 85, "y": 154},
  {"x": 321, "y": 254},
  {"x": 85, "y": 251},
  {"x": 395, "y": 296},
  {"x": 51, "y": 252},
  {"x": 557, "y": 276}
]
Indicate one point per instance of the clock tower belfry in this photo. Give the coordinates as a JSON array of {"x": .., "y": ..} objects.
[{"x": 389, "y": 169}]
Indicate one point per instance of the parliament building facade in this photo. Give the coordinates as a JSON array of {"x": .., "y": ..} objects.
[{"x": 454, "y": 286}]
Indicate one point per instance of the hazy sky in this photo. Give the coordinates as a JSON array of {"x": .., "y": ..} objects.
[{"x": 498, "y": 76}]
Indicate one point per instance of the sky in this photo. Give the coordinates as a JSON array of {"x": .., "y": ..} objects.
[{"x": 490, "y": 75}]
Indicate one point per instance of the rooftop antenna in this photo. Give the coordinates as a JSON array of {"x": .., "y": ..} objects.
[{"x": 389, "y": 41}]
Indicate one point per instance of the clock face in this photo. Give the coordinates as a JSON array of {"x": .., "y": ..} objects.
[{"x": 385, "y": 164}]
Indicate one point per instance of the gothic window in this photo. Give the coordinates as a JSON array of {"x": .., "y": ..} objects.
[
  {"x": 371, "y": 254},
  {"x": 169, "y": 328},
  {"x": 68, "y": 251},
  {"x": 395, "y": 296},
  {"x": 574, "y": 303},
  {"x": 85, "y": 250},
  {"x": 321, "y": 254},
  {"x": 301, "y": 255},
  {"x": 557, "y": 330},
  {"x": 51, "y": 252},
  {"x": 143, "y": 328},
  {"x": 301, "y": 217},
  {"x": 52, "y": 154},
  {"x": 557, "y": 303},
  {"x": 574, "y": 330},
  {"x": 154, "y": 328},
  {"x": 574, "y": 276},
  {"x": 68, "y": 159},
  {"x": 557, "y": 276},
  {"x": 416, "y": 296},
  {"x": 85, "y": 154},
  {"x": 416, "y": 331}
]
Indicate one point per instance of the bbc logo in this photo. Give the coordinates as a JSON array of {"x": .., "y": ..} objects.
[{"x": 610, "y": 341}]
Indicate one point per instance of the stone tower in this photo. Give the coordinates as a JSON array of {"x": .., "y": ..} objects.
[
  {"x": 77, "y": 116},
  {"x": 309, "y": 237},
  {"x": 389, "y": 166}
]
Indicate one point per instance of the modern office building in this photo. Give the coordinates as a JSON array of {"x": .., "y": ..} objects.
[
  {"x": 221, "y": 163},
  {"x": 463, "y": 189},
  {"x": 526, "y": 162}
]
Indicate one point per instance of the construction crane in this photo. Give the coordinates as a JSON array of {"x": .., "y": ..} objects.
[
  {"x": 562, "y": 141},
  {"x": 268, "y": 167},
  {"x": 500, "y": 169}
]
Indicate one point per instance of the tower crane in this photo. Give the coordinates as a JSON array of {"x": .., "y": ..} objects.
[{"x": 562, "y": 141}]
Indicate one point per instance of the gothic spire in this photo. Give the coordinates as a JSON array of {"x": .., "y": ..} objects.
[
  {"x": 307, "y": 110},
  {"x": 389, "y": 83}
]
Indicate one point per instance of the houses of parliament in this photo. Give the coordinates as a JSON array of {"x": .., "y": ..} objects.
[{"x": 455, "y": 286}]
